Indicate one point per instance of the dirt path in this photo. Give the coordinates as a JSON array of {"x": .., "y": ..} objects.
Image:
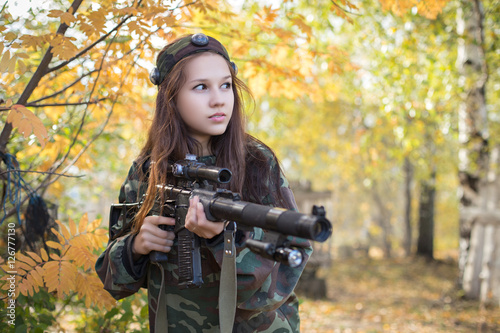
[{"x": 407, "y": 295}]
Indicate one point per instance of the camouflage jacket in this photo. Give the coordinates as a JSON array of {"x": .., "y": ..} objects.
[{"x": 265, "y": 298}]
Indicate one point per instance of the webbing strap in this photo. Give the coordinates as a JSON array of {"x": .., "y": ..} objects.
[
  {"x": 161, "y": 323},
  {"x": 227, "y": 288}
]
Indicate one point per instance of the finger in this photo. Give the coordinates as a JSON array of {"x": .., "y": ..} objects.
[
  {"x": 200, "y": 212},
  {"x": 160, "y": 248},
  {"x": 191, "y": 220},
  {"x": 152, "y": 239},
  {"x": 159, "y": 220},
  {"x": 170, "y": 236},
  {"x": 145, "y": 243}
]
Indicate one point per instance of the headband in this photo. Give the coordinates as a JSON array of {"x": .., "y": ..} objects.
[{"x": 181, "y": 49}]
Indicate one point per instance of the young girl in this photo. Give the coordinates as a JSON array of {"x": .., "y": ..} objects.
[{"x": 199, "y": 110}]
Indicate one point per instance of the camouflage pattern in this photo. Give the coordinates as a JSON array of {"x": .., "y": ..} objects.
[
  {"x": 265, "y": 297},
  {"x": 183, "y": 48}
]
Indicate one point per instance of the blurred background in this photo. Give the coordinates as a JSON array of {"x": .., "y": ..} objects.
[{"x": 385, "y": 112}]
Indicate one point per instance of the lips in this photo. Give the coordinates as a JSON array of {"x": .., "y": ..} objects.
[{"x": 218, "y": 116}]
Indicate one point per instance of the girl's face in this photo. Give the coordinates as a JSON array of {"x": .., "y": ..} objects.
[{"x": 205, "y": 101}]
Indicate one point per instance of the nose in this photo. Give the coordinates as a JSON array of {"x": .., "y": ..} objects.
[{"x": 216, "y": 98}]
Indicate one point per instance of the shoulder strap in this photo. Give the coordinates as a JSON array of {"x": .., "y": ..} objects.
[
  {"x": 227, "y": 289},
  {"x": 161, "y": 322}
]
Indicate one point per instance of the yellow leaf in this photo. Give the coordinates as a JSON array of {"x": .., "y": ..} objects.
[
  {"x": 299, "y": 22},
  {"x": 32, "y": 41},
  {"x": 60, "y": 277},
  {"x": 22, "y": 67},
  {"x": 64, "y": 230},
  {"x": 23, "y": 126},
  {"x": 23, "y": 266},
  {"x": 26, "y": 122},
  {"x": 90, "y": 287},
  {"x": 101, "y": 232},
  {"x": 80, "y": 241},
  {"x": 62, "y": 240},
  {"x": 82, "y": 225},
  {"x": 26, "y": 259},
  {"x": 44, "y": 254},
  {"x": 12, "y": 65},
  {"x": 54, "y": 245},
  {"x": 63, "y": 47},
  {"x": 4, "y": 63},
  {"x": 14, "y": 117},
  {"x": 72, "y": 227},
  {"x": 35, "y": 274},
  {"x": 20, "y": 271},
  {"x": 54, "y": 256},
  {"x": 35, "y": 256},
  {"x": 82, "y": 257},
  {"x": 94, "y": 225},
  {"x": 10, "y": 36},
  {"x": 28, "y": 286},
  {"x": 67, "y": 18}
]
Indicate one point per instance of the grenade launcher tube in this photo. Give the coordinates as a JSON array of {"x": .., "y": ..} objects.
[{"x": 287, "y": 222}]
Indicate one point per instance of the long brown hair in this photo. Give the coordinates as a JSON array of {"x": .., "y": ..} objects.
[{"x": 168, "y": 141}]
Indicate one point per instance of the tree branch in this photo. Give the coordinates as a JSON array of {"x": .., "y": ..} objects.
[
  {"x": 342, "y": 8},
  {"x": 91, "y": 46},
  {"x": 65, "y": 88},
  {"x": 35, "y": 79},
  {"x": 60, "y": 104},
  {"x": 67, "y": 104},
  {"x": 40, "y": 172}
]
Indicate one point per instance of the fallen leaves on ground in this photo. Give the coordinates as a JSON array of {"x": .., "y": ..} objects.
[{"x": 397, "y": 295}]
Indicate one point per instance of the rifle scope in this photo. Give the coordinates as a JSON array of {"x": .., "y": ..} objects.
[{"x": 191, "y": 169}]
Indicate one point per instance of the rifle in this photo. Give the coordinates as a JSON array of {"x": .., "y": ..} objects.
[{"x": 224, "y": 205}]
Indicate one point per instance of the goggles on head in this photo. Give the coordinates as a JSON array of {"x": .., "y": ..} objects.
[{"x": 184, "y": 47}]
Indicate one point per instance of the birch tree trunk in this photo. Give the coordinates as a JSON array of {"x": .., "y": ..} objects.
[{"x": 479, "y": 216}]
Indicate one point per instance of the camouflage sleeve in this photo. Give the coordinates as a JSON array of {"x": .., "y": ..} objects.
[
  {"x": 263, "y": 284},
  {"x": 120, "y": 275}
]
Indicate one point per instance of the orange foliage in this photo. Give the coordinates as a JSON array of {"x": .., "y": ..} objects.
[
  {"x": 68, "y": 268},
  {"x": 428, "y": 8}
]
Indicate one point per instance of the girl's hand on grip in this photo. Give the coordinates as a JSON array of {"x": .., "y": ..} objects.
[{"x": 152, "y": 238}]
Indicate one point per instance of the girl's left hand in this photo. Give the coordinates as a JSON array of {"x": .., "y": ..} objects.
[{"x": 196, "y": 221}]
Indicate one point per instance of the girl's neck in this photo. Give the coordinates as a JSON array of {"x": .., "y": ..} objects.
[
  {"x": 202, "y": 145},
  {"x": 203, "y": 149}
]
